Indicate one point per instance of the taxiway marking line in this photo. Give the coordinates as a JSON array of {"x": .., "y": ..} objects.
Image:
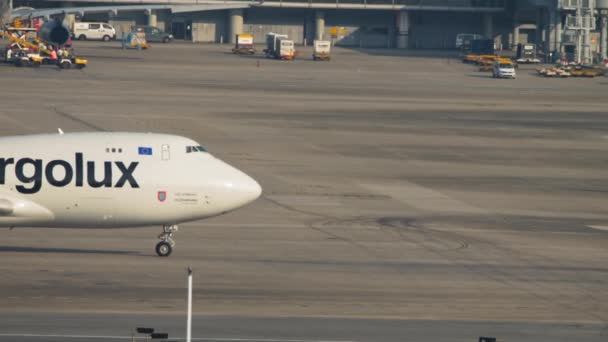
[{"x": 228, "y": 339}]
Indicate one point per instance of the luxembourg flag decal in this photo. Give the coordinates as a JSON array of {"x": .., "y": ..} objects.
[{"x": 162, "y": 196}]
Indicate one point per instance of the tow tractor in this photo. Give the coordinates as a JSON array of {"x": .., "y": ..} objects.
[
  {"x": 23, "y": 58},
  {"x": 72, "y": 62}
]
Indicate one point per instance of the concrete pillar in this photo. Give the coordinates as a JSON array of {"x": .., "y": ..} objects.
[
  {"x": 392, "y": 36},
  {"x": 5, "y": 12},
  {"x": 319, "y": 25},
  {"x": 550, "y": 31},
  {"x": 603, "y": 36},
  {"x": 538, "y": 34},
  {"x": 558, "y": 33},
  {"x": 488, "y": 25},
  {"x": 515, "y": 36},
  {"x": 236, "y": 24},
  {"x": 152, "y": 18},
  {"x": 403, "y": 30},
  {"x": 587, "y": 53},
  {"x": 309, "y": 28}
]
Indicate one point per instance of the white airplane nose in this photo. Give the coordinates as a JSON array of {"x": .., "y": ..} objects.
[
  {"x": 239, "y": 188},
  {"x": 250, "y": 189}
]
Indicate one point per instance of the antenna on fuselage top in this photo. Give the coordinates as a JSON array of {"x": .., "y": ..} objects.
[{"x": 60, "y": 131}]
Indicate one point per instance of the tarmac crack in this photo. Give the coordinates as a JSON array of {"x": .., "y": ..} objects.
[{"x": 78, "y": 120}]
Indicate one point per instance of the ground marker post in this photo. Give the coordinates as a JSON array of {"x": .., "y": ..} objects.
[{"x": 189, "y": 324}]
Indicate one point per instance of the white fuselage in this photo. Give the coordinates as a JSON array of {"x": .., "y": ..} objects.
[{"x": 114, "y": 180}]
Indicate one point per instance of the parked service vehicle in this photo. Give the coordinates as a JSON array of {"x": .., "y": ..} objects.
[
  {"x": 134, "y": 40},
  {"x": 321, "y": 49},
  {"x": 285, "y": 49},
  {"x": 153, "y": 33},
  {"x": 244, "y": 44},
  {"x": 272, "y": 46},
  {"x": 102, "y": 31},
  {"x": 503, "y": 69},
  {"x": 526, "y": 54}
]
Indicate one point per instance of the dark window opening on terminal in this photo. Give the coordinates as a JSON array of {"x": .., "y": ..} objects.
[{"x": 378, "y": 30}]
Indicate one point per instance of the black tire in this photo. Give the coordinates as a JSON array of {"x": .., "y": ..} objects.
[
  {"x": 166, "y": 40},
  {"x": 106, "y": 38},
  {"x": 163, "y": 249},
  {"x": 82, "y": 37},
  {"x": 65, "y": 65},
  {"x": 36, "y": 65}
]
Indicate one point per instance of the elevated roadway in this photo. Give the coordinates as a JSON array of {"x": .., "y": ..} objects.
[{"x": 420, "y": 5}]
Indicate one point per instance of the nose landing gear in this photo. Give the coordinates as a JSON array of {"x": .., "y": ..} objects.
[{"x": 165, "y": 246}]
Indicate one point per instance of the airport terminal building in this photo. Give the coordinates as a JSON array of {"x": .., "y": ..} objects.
[{"x": 408, "y": 24}]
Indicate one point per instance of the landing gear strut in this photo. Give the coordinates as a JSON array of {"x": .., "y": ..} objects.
[{"x": 165, "y": 246}]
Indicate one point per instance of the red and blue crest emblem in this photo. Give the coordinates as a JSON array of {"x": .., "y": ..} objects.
[{"x": 162, "y": 196}]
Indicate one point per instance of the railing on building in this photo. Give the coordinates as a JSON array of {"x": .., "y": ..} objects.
[
  {"x": 573, "y": 4},
  {"x": 456, "y": 5},
  {"x": 481, "y": 5}
]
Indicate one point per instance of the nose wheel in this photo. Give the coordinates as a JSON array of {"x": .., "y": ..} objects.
[{"x": 165, "y": 246}]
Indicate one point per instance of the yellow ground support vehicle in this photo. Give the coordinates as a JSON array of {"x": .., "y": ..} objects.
[
  {"x": 37, "y": 61},
  {"x": 486, "y": 63},
  {"x": 581, "y": 71},
  {"x": 476, "y": 59},
  {"x": 574, "y": 71},
  {"x": 23, "y": 43},
  {"x": 470, "y": 59},
  {"x": 72, "y": 63}
]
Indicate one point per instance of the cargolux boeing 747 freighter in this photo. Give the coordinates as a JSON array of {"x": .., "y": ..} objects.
[{"x": 113, "y": 180}]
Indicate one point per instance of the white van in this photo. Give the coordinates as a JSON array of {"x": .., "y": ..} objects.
[
  {"x": 503, "y": 70},
  {"x": 103, "y": 31}
]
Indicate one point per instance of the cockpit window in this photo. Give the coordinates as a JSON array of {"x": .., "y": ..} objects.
[{"x": 191, "y": 149}]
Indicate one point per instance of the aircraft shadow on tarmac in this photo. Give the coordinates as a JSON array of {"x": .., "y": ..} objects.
[{"x": 13, "y": 249}]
